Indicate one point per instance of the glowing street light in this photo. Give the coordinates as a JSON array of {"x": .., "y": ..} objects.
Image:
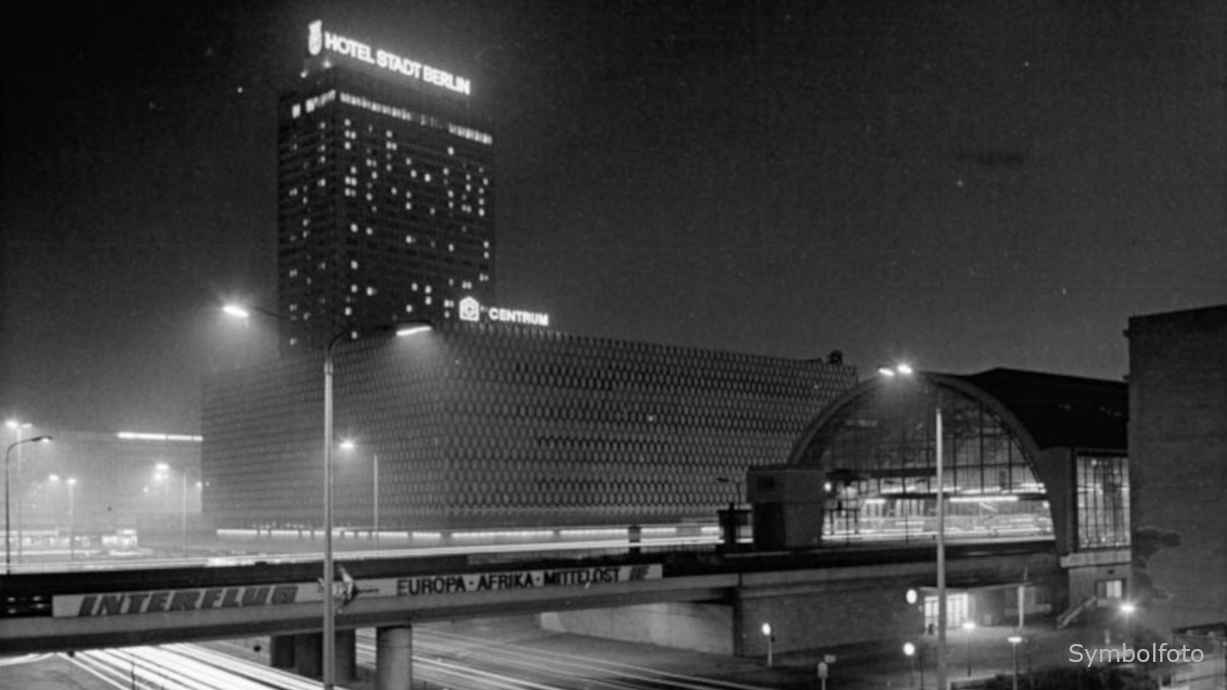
[
  {"x": 766, "y": 630},
  {"x": 72, "y": 518},
  {"x": 912, "y": 652},
  {"x": 238, "y": 311},
  {"x": 348, "y": 445},
  {"x": 18, "y": 427},
  {"x": 1014, "y": 641},
  {"x": 968, "y": 626},
  {"x": 906, "y": 370},
  {"x": 12, "y": 424},
  {"x": 1127, "y": 610}
]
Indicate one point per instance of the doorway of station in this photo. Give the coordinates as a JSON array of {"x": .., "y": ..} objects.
[
  {"x": 958, "y": 610},
  {"x": 1009, "y": 603}
]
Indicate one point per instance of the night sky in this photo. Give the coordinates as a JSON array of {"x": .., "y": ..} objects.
[{"x": 962, "y": 184}]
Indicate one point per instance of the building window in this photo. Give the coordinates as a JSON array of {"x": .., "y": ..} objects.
[
  {"x": 1103, "y": 502},
  {"x": 1110, "y": 589}
]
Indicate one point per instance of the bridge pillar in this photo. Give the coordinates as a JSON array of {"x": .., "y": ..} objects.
[
  {"x": 281, "y": 651},
  {"x": 346, "y": 655},
  {"x": 309, "y": 655},
  {"x": 394, "y": 657}
]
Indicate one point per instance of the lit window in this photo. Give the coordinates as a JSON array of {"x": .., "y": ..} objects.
[
  {"x": 409, "y": 240},
  {"x": 370, "y": 231},
  {"x": 451, "y": 151},
  {"x": 427, "y": 300},
  {"x": 349, "y": 311},
  {"x": 370, "y": 291},
  {"x": 428, "y": 289},
  {"x": 427, "y": 176},
  {"x": 408, "y": 307},
  {"x": 353, "y": 265},
  {"x": 414, "y": 287},
  {"x": 353, "y": 288}
]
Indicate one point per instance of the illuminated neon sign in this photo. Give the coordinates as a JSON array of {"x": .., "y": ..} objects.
[
  {"x": 319, "y": 41},
  {"x": 472, "y": 310}
]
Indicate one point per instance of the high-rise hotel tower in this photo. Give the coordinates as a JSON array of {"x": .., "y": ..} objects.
[{"x": 385, "y": 189}]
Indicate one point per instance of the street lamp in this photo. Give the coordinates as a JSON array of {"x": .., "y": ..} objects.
[
  {"x": 907, "y": 370},
  {"x": 1014, "y": 641},
  {"x": 912, "y": 652},
  {"x": 968, "y": 626},
  {"x": 8, "y": 494},
  {"x": 1127, "y": 610},
  {"x": 72, "y": 518},
  {"x": 161, "y": 472},
  {"x": 766, "y": 630},
  {"x": 19, "y": 426},
  {"x": 348, "y": 445},
  {"x": 329, "y": 610}
]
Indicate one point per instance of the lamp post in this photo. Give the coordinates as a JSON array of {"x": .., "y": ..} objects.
[
  {"x": 8, "y": 502},
  {"x": 328, "y": 643},
  {"x": 348, "y": 445},
  {"x": 161, "y": 475},
  {"x": 912, "y": 652},
  {"x": 1014, "y": 641},
  {"x": 968, "y": 626},
  {"x": 766, "y": 630},
  {"x": 19, "y": 426},
  {"x": 1127, "y": 610},
  {"x": 72, "y": 518},
  {"x": 907, "y": 370}
]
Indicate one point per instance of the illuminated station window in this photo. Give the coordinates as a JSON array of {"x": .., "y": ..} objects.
[{"x": 878, "y": 453}]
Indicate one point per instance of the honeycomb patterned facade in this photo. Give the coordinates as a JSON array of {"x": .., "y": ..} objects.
[{"x": 502, "y": 426}]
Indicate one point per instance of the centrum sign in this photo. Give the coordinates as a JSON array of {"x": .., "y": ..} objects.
[
  {"x": 319, "y": 40},
  {"x": 472, "y": 310},
  {"x": 248, "y": 596}
]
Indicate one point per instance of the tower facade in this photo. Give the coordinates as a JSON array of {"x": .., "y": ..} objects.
[{"x": 385, "y": 193}]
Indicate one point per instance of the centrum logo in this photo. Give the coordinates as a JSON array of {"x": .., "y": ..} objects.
[
  {"x": 1124, "y": 654},
  {"x": 315, "y": 37},
  {"x": 470, "y": 309}
]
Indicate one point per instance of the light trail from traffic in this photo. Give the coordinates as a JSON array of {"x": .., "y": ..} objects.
[{"x": 183, "y": 667}]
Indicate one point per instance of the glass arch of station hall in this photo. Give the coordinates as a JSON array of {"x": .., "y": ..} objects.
[{"x": 877, "y": 450}]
